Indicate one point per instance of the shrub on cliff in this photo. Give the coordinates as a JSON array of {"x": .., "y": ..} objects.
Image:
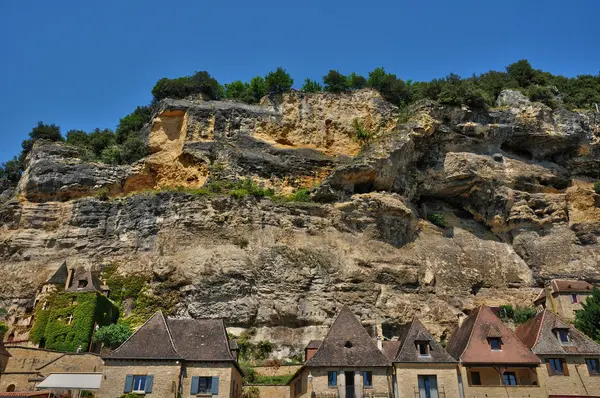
[
  {"x": 278, "y": 81},
  {"x": 132, "y": 123},
  {"x": 335, "y": 82},
  {"x": 542, "y": 94},
  {"x": 389, "y": 86},
  {"x": 236, "y": 90},
  {"x": 311, "y": 86},
  {"x": 356, "y": 82},
  {"x": 3, "y": 330},
  {"x": 181, "y": 87},
  {"x": 11, "y": 170},
  {"x": 588, "y": 319}
]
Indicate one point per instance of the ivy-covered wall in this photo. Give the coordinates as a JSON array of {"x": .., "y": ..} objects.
[{"x": 69, "y": 320}]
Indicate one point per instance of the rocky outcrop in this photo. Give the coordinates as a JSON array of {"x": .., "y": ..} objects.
[{"x": 510, "y": 188}]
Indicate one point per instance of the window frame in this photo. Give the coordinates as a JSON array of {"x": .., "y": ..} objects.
[
  {"x": 419, "y": 345},
  {"x": 553, "y": 369},
  {"x": 510, "y": 375},
  {"x": 478, "y": 378},
  {"x": 563, "y": 332},
  {"x": 597, "y": 362},
  {"x": 143, "y": 378},
  {"x": 367, "y": 377},
  {"x": 574, "y": 298},
  {"x": 208, "y": 385},
  {"x": 495, "y": 339},
  {"x": 332, "y": 379}
]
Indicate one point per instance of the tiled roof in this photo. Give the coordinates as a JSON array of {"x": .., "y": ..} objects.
[
  {"x": 390, "y": 349},
  {"x": 189, "y": 339},
  {"x": 3, "y": 350},
  {"x": 348, "y": 344},
  {"x": 313, "y": 344},
  {"x": 60, "y": 276},
  {"x": 539, "y": 334},
  {"x": 470, "y": 344},
  {"x": 566, "y": 286},
  {"x": 200, "y": 339},
  {"x": 408, "y": 349}
]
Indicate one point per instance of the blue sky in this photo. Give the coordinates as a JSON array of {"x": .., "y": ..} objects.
[{"x": 85, "y": 64}]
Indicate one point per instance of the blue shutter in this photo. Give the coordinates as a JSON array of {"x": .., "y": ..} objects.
[
  {"x": 422, "y": 392},
  {"x": 365, "y": 380},
  {"x": 215, "y": 385},
  {"x": 434, "y": 388},
  {"x": 149, "y": 381},
  {"x": 128, "y": 383},
  {"x": 334, "y": 381},
  {"x": 195, "y": 381}
]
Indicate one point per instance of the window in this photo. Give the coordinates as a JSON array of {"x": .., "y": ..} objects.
[
  {"x": 593, "y": 366},
  {"x": 332, "y": 379},
  {"x": 563, "y": 336},
  {"x": 348, "y": 344},
  {"x": 475, "y": 379},
  {"x": 368, "y": 379},
  {"x": 556, "y": 366},
  {"x": 574, "y": 299},
  {"x": 423, "y": 348},
  {"x": 139, "y": 383},
  {"x": 496, "y": 344},
  {"x": 428, "y": 387},
  {"x": 510, "y": 378},
  {"x": 82, "y": 283},
  {"x": 205, "y": 385}
]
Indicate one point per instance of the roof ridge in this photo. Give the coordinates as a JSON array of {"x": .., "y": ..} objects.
[
  {"x": 472, "y": 330},
  {"x": 226, "y": 338},
  {"x": 540, "y": 327}
]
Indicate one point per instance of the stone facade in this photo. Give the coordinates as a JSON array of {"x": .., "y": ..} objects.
[
  {"x": 28, "y": 366},
  {"x": 230, "y": 381},
  {"x": 492, "y": 387},
  {"x": 564, "y": 305},
  {"x": 577, "y": 379},
  {"x": 408, "y": 382},
  {"x": 381, "y": 382},
  {"x": 165, "y": 373},
  {"x": 271, "y": 391}
]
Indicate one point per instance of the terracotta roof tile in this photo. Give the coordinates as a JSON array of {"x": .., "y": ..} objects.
[
  {"x": 470, "y": 343},
  {"x": 348, "y": 344},
  {"x": 408, "y": 349},
  {"x": 539, "y": 334},
  {"x": 570, "y": 286}
]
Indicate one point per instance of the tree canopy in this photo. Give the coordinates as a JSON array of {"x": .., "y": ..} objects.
[{"x": 588, "y": 319}]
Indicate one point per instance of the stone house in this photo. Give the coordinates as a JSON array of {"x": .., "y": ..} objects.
[
  {"x": 572, "y": 360},
  {"x": 563, "y": 297},
  {"x": 422, "y": 367},
  {"x": 4, "y": 356},
  {"x": 493, "y": 362},
  {"x": 174, "y": 357},
  {"x": 348, "y": 363}
]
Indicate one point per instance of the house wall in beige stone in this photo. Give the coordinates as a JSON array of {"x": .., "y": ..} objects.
[
  {"x": 408, "y": 382},
  {"x": 224, "y": 371},
  {"x": 564, "y": 307},
  {"x": 500, "y": 391},
  {"x": 578, "y": 382},
  {"x": 272, "y": 391},
  {"x": 166, "y": 377},
  {"x": 382, "y": 382},
  {"x": 28, "y": 366}
]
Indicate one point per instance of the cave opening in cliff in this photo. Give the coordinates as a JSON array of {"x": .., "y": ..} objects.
[{"x": 363, "y": 187}]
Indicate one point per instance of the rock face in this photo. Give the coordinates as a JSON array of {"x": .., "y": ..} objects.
[{"x": 513, "y": 187}]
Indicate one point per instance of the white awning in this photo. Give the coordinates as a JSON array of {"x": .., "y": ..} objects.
[{"x": 72, "y": 381}]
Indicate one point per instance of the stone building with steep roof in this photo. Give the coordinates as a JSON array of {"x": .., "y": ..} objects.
[
  {"x": 493, "y": 362},
  {"x": 422, "y": 367},
  {"x": 347, "y": 364},
  {"x": 169, "y": 357},
  {"x": 572, "y": 360},
  {"x": 563, "y": 297}
]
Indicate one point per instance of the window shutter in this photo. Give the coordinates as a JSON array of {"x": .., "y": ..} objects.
[
  {"x": 215, "y": 385},
  {"x": 433, "y": 383},
  {"x": 365, "y": 380},
  {"x": 548, "y": 367},
  {"x": 334, "y": 379},
  {"x": 565, "y": 367},
  {"x": 149, "y": 381},
  {"x": 128, "y": 384},
  {"x": 195, "y": 382}
]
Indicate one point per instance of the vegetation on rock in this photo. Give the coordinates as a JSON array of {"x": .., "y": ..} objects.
[
  {"x": 311, "y": 86},
  {"x": 518, "y": 315},
  {"x": 437, "y": 219},
  {"x": 113, "y": 335},
  {"x": 588, "y": 319},
  {"x": 3, "y": 330}
]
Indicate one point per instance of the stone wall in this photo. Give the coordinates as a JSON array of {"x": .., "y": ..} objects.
[
  {"x": 272, "y": 391},
  {"x": 408, "y": 385},
  {"x": 166, "y": 377},
  {"x": 277, "y": 370},
  {"x": 500, "y": 391},
  {"x": 225, "y": 372},
  {"x": 578, "y": 382},
  {"x": 28, "y": 366},
  {"x": 382, "y": 382},
  {"x": 565, "y": 308}
]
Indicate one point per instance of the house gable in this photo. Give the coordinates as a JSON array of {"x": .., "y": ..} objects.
[{"x": 418, "y": 334}]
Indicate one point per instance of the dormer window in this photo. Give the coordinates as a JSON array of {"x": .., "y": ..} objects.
[
  {"x": 495, "y": 344},
  {"x": 348, "y": 344},
  {"x": 81, "y": 284},
  {"x": 423, "y": 348},
  {"x": 563, "y": 336}
]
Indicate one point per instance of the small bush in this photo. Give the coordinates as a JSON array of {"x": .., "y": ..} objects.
[
  {"x": 102, "y": 193},
  {"x": 3, "y": 330},
  {"x": 597, "y": 187},
  {"x": 311, "y": 86},
  {"x": 335, "y": 82},
  {"x": 542, "y": 94},
  {"x": 250, "y": 392},
  {"x": 113, "y": 335},
  {"x": 437, "y": 219},
  {"x": 250, "y": 374},
  {"x": 278, "y": 81},
  {"x": 263, "y": 349},
  {"x": 301, "y": 195},
  {"x": 356, "y": 82},
  {"x": 518, "y": 315},
  {"x": 362, "y": 134}
]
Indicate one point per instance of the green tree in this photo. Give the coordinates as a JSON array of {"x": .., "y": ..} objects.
[
  {"x": 203, "y": 82},
  {"x": 278, "y": 81},
  {"x": 78, "y": 138},
  {"x": 99, "y": 140},
  {"x": 356, "y": 82},
  {"x": 113, "y": 335},
  {"x": 389, "y": 86},
  {"x": 133, "y": 123},
  {"x": 311, "y": 86},
  {"x": 236, "y": 90},
  {"x": 257, "y": 88},
  {"x": 541, "y": 94},
  {"x": 3, "y": 330},
  {"x": 521, "y": 72},
  {"x": 11, "y": 170},
  {"x": 588, "y": 319},
  {"x": 335, "y": 82}
]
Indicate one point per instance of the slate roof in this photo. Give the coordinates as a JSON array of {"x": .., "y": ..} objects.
[
  {"x": 469, "y": 343},
  {"x": 408, "y": 353},
  {"x": 60, "y": 275},
  {"x": 93, "y": 283},
  {"x": 173, "y": 339},
  {"x": 348, "y": 344},
  {"x": 539, "y": 334},
  {"x": 4, "y": 351},
  {"x": 567, "y": 286},
  {"x": 390, "y": 349}
]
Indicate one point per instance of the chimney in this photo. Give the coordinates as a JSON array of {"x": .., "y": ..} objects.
[
  {"x": 379, "y": 334},
  {"x": 69, "y": 278},
  {"x": 380, "y": 343},
  {"x": 461, "y": 319}
]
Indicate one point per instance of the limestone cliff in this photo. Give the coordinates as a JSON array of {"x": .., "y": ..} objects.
[{"x": 513, "y": 186}]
